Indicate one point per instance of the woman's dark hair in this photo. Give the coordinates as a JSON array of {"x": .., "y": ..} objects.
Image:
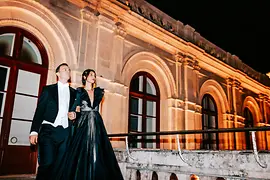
[{"x": 86, "y": 74}]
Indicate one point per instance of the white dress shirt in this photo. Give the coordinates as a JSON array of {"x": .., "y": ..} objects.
[{"x": 63, "y": 107}]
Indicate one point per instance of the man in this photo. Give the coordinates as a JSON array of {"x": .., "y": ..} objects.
[{"x": 50, "y": 127}]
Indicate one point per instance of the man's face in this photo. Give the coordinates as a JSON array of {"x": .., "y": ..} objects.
[{"x": 63, "y": 73}]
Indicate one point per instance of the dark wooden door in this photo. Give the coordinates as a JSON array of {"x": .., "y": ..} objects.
[{"x": 23, "y": 73}]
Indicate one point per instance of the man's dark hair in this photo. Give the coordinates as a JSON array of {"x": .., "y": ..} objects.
[{"x": 58, "y": 67}]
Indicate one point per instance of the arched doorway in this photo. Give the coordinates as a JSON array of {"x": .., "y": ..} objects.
[
  {"x": 144, "y": 103},
  {"x": 23, "y": 72}
]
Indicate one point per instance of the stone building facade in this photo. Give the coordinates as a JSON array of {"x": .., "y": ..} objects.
[{"x": 158, "y": 75}]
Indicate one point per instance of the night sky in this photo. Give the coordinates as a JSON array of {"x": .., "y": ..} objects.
[{"x": 240, "y": 28}]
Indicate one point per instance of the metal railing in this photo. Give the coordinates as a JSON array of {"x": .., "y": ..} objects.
[{"x": 252, "y": 130}]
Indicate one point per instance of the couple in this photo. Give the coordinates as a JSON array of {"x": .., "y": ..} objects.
[{"x": 85, "y": 154}]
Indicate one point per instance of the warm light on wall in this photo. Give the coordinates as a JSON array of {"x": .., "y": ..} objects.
[
  {"x": 194, "y": 177},
  {"x": 268, "y": 74}
]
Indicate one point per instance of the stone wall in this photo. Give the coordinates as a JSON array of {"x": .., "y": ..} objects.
[{"x": 120, "y": 38}]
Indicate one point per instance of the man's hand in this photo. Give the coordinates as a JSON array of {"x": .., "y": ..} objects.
[
  {"x": 71, "y": 115},
  {"x": 33, "y": 139}
]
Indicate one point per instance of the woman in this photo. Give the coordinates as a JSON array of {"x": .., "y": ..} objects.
[{"x": 90, "y": 156}]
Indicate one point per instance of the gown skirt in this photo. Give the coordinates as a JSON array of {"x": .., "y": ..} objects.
[{"x": 90, "y": 155}]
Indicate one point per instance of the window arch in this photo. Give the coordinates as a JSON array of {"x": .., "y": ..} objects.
[
  {"x": 220, "y": 178},
  {"x": 173, "y": 177},
  {"x": 209, "y": 121},
  {"x": 138, "y": 175},
  {"x": 248, "y": 123},
  {"x": 154, "y": 176},
  {"x": 18, "y": 44},
  {"x": 144, "y": 100}
]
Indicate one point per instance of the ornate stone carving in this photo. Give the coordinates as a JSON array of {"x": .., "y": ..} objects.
[
  {"x": 187, "y": 60},
  {"x": 88, "y": 14},
  {"x": 196, "y": 66},
  {"x": 236, "y": 84},
  {"x": 198, "y": 108},
  {"x": 120, "y": 30},
  {"x": 229, "y": 81},
  {"x": 180, "y": 104},
  {"x": 263, "y": 97},
  {"x": 179, "y": 56}
]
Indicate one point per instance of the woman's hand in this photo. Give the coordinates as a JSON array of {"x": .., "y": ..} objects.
[{"x": 72, "y": 115}]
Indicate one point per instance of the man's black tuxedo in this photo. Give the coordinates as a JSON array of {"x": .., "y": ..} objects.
[
  {"x": 52, "y": 141},
  {"x": 47, "y": 107}
]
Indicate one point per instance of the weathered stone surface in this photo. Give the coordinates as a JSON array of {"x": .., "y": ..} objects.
[{"x": 204, "y": 164}]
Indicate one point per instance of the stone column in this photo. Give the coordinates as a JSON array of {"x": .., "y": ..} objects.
[
  {"x": 230, "y": 137},
  {"x": 235, "y": 98},
  {"x": 198, "y": 108},
  {"x": 116, "y": 119},
  {"x": 262, "y": 138},
  {"x": 184, "y": 61},
  {"x": 176, "y": 120},
  {"x": 189, "y": 107}
]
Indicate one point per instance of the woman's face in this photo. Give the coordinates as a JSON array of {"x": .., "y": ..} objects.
[{"x": 91, "y": 77}]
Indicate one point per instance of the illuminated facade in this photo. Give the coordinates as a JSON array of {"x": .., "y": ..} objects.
[{"x": 158, "y": 74}]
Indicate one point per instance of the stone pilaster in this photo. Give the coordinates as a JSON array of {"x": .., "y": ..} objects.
[
  {"x": 235, "y": 101},
  {"x": 88, "y": 33},
  {"x": 117, "y": 53},
  {"x": 190, "y": 117}
]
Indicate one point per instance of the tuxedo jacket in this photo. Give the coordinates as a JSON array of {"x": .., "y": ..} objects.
[{"x": 47, "y": 107}]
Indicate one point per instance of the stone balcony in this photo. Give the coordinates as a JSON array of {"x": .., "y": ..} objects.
[{"x": 205, "y": 164}]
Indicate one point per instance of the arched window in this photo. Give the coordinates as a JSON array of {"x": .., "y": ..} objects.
[
  {"x": 173, "y": 177},
  {"x": 248, "y": 123},
  {"x": 154, "y": 176},
  {"x": 18, "y": 44},
  {"x": 138, "y": 175},
  {"x": 209, "y": 121},
  {"x": 23, "y": 72},
  {"x": 220, "y": 178},
  {"x": 144, "y": 105}
]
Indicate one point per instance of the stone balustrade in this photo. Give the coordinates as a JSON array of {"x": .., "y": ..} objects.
[{"x": 205, "y": 164}]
